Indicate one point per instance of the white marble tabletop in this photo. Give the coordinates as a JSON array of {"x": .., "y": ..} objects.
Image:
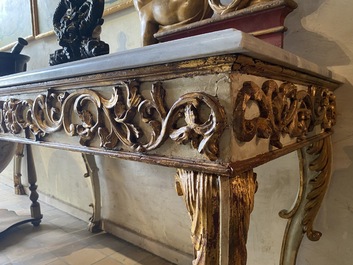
[{"x": 229, "y": 41}]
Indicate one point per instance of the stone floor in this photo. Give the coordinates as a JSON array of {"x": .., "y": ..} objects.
[{"x": 62, "y": 239}]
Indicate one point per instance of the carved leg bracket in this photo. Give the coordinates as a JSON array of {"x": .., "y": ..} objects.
[
  {"x": 315, "y": 166},
  {"x": 218, "y": 238},
  {"x": 95, "y": 224},
  {"x": 242, "y": 191},
  {"x": 201, "y": 196}
]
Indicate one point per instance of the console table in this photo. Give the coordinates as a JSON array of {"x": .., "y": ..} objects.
[{"x": 213, "y": 106}]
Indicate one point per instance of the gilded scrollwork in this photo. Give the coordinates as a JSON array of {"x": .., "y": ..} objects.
[
  {"x": 125, "y": 118},
  {"x": 203, "y": 135},
  {"x": 283, "y": 109},
  {"x": 316, "y": 165},
  {"x": 321, "y": 166}
]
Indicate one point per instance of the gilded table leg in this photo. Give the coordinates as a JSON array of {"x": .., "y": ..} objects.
[
  {"x": 315, "y": 165},
  {"x": 201, "y": 195},
  {"x": 219, "y": 208},
  {"x": 32, "y": 179},
  {"x": 95, "y": 224},
  {"x": 19, "y": 189},
  {"x": 242, "y": 191}
]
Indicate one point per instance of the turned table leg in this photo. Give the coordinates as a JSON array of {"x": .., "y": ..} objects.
[
  {"x": 32, "y": 179},
  {"x": 19, "y": 189}
]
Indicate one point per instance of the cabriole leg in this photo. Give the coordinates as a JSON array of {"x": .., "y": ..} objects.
[
  {"x": 315, "y": 173},
  {"x": 95, "y": 224}
]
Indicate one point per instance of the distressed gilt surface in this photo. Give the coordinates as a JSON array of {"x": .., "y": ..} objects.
[
  {"x": 201, "y": 195},
  {"x": 315, "y": 165},
  {"x": 87, "y": 114},
  {"x": 283, "y": 110},
  {"x": 108, "y": 113}
]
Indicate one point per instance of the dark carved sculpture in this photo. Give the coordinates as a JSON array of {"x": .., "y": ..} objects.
[
  {"x": 77, "y": 24},
  {"x": 155, "y": 14}
]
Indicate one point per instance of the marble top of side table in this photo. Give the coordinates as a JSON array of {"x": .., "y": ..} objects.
[{"x": 223, "y": 42}]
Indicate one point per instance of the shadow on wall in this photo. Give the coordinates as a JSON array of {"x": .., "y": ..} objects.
[{"x": 311, "y": 45}]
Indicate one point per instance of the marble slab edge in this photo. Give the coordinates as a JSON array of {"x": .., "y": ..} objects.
[{"x": 229, "y": 41}]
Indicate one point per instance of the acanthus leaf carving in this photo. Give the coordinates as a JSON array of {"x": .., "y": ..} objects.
[
  {"x": 315, "y": 174},
  {"x": 200, "y": 192},
  {"x": 121, "y": 118},
  {"x": 283, "y": 110}
]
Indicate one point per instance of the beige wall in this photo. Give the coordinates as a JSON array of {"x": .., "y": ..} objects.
[{"x": 321, "y": 31}]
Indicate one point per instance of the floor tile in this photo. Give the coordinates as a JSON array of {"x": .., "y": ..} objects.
[{"x": 62, "y": 239}]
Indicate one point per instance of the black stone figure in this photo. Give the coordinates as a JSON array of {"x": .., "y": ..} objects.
[{"x": 77, "y": 24}]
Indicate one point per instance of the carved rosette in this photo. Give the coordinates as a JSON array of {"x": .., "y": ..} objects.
[
  {"x": 200, "y": 192},
  {"x": 126, "y": 118},
  {"x": 283, "y": 110},
  {"x": 316, "y": 165}
]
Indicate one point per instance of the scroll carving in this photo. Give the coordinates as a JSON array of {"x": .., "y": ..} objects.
[
  {"x": 201, "y": 196},
  {"x": 283, "y": 110},
  {"x": 315, "y": 164},
  {"x": 125, "y": 118}
]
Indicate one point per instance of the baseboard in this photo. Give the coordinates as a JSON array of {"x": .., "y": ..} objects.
[{"x": 166, "y": 252}]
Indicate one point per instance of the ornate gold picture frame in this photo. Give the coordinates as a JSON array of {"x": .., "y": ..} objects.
[{"x": 112, "y": 6}]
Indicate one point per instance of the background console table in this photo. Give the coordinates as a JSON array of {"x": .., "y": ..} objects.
[{"x": 213, "y": 106}]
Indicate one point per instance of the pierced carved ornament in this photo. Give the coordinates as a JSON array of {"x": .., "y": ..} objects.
[
  {"x": 87, "y": 114},
  {"x": 283, "y": 110}
]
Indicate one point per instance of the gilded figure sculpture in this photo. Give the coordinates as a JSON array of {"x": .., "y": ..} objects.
[
  {"x": 157, "y": 14},
  {"x": 160, "y": 15},
  {"x": 77, "y": 24}
]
